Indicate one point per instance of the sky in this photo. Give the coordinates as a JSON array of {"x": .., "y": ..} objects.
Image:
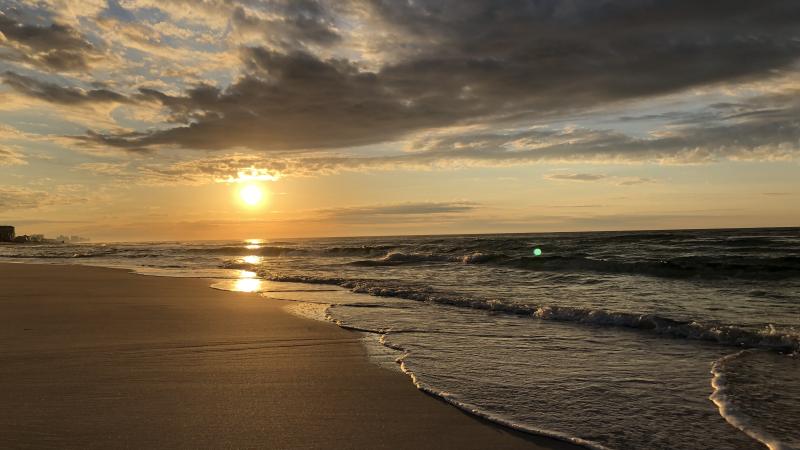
[{"x": 145, "y": 119}]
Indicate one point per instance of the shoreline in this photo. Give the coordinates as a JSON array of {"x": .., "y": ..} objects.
[{"x": 99, "y": 357}]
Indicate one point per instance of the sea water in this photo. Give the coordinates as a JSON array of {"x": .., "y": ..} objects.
[{"x": 656, "y": 340}]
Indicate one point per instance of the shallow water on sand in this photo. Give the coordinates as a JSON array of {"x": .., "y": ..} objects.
[{"x": 674, "y": 339}]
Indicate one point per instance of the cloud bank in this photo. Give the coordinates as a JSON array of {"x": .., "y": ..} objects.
[{"x": 297, "y": 86}]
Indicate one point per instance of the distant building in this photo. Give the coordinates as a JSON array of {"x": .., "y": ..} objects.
[
  {"x": 7, "y": 233},
  {"x": 22, "y": 239},
  {"x": 71, "y": 239}
]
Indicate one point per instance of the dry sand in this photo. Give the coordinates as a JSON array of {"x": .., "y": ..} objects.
[{"x": 103, "y": 358}]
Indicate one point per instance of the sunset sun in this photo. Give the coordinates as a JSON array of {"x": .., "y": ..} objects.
[{"x": 251, "y": 194}]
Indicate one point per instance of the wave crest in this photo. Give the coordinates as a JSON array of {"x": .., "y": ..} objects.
[{"x": 725, "y": 334}]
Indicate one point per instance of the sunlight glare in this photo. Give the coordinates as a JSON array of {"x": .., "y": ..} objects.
[
  {"x": 247, "y": 285},
  {"x": 252, "y": 259},
  {"x": 248, "y": 282},
  {"x": 251, "y": 194},
  {"x": 253, "y": 244}
]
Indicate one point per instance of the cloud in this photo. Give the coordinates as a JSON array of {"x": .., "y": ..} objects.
[
  {"x": 53, "y": 47},
  {"x": 103, "y": 168},
  {"x": 587, "y": 177},
  {"x": 406, "y": 209},
  {"x": 458, "y": 83},
  {"x": 289, "y": 24},
  {"x": 632, "y": 181},
  {"x": 9, "y": 157},
  {"x": 20, "y": 197},
  {"x": 759, "y": 128},
  {"x": 396, "y": 213},
  {"x": 762, "y": 128},
  {"x": 224, "y": 169},
  {"x": 575, "y": 177},
  {"x": 54, "y": 93},
  {"x": 481, "y": 62}
]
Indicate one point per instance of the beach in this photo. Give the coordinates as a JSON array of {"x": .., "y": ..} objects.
[{"x": 104, "y": 358}]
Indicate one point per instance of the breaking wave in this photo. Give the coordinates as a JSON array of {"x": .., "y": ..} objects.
[
  {"x": 728, "y": 409},
  {"x": 731, "y": 335},
  {"x": 681, "y": 267},
  {"x": 398, "y": 258},
  {"x": 698, "y": 267}
]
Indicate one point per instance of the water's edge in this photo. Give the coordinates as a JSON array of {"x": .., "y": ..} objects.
[{"x": 399, "y": 364}]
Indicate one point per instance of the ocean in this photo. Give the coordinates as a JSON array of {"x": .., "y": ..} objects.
[{"x": 682, "y": 339}]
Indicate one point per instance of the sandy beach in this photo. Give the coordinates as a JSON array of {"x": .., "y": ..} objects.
[{"x": 103, "y": 358}]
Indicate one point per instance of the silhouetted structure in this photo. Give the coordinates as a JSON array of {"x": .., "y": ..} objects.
[{"x": 7, "y": 233}]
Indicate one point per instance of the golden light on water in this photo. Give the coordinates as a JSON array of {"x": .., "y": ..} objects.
[
  {"x": 247, "y": 282},
  {"x": 251, "y": 194},
  {"x": 252, "y": 259},
  {"x": 247, "y": 285},
  {"x": 253, "y": 244}
]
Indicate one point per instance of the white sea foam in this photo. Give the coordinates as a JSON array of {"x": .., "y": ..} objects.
[{"x": 732, "y": 414}]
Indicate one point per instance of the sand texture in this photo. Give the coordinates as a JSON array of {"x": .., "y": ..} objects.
[{"x": 103, "y": 358}]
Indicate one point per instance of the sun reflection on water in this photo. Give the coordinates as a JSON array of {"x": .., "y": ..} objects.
[
  {"x": 252, "y": 259},
  {"x": 253, "y": 244},
  {"x": 247, "y": 285},
  {"x": 247, "y": 282}
]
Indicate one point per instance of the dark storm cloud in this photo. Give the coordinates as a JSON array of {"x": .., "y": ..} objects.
[
  {"x": 286, "y": 102},
  {"x": 482, "y": 62},
  {"x": 54, "y": 47},
  {"x": 55, "y": 93}
]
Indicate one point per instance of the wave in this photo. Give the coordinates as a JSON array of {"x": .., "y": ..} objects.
[
  {"x": 239, "y": 265},
  {"x": 478, "y": 412},
  {"x": 703, "y": 267},
  {"x": 272, "y": 250},
  {"x": 686, "y": 267},
  {"x": 68, "y": 255},
  {"x": 729, "y": 411},
  {"x": 725, "y": 334},
  {"x": 362, "y": 250},
  {"x": 244, "y": 251},
  {"x": 398, "y": 258}
]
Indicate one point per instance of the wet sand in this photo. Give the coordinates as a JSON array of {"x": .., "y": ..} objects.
[{"x": 103, "y": 358}]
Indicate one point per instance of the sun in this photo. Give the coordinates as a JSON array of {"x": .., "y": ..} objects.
[{"x": 251, "y": 194}]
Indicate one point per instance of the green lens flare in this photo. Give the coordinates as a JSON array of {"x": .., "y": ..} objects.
[{"x": 537, "y": 252}]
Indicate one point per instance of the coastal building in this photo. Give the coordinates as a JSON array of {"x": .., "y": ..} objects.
[{"x": 6, "y": 233}]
